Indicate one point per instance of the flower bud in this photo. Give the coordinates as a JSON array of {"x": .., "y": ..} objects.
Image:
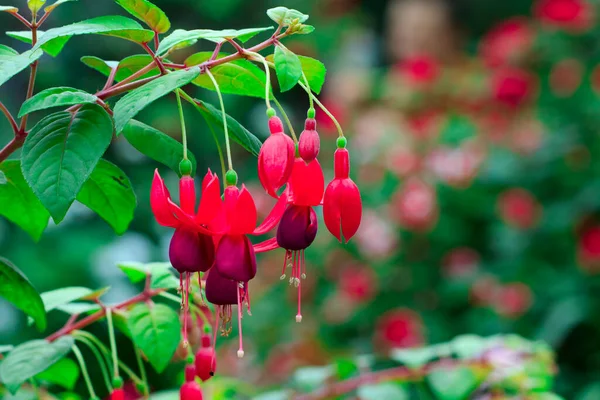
[{"x": 309, "y": 143}]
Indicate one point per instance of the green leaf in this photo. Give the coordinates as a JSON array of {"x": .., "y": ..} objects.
[
  {"x": 386, "y": 390},
  {"x": 56, "y": 97},
  {"x": 52, "y": 6},
  {"x": 310, "y": 378},
  {"x": 413, "y": 358},
  {"x": 125, "y": 68},
  {"x": 185, "y": 38},
  {"x": 305, "y": 30},
  {"x": 64, "y": 373},
  {"x": 236, "y": 131},
  {"x": 109, "y": 194},
  {"x": 315, "y": 72},
  {"x": 136, "y": 100},
  {"x": 12, "y": 65},
  {"x": 18, "y": 203},
  {"x": 9, "y": 9},
  {"x": 145, "y": 11},
  {"x": 35, "y": 5},
  {"x": 59, "y": 297},
  {"x": 61, "y": 152},
  {"x": 79, "y": 308},
  {"x": 287, "y": 67},
  {"x": 31, "y": 358},
  {"x": 7, "y": 51},
  {"x": 160, "y": 274},
  {"x": 285, "y": 16},
  {"x": 53, "y": 47},
  {"x": 115, "y": 25},
  {"x": 155, "y": 331},
  {"x": 239, "y": 77},
  {"x": 6, "y": 348},
  {"x": 468, "y": 346},
  {"x": 156, "y": 145},
  {"x": 346, "y": 368},
  {"x": 16, "y": 288},
  {"x": 452, "y": 383}
]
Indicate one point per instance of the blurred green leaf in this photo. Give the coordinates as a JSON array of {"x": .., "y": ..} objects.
[
  {"x": 160, "y": 273},
  {"x": 287, "y": 67},
  {"x": 310, "y": 378},
  {"x": 59, "y": 297},
  {"x": 35, "y": 5},
  {"x": 18, "y": 203},
  {"x": 108, "y": 192},
  {"x": 78, "y": 308},
  {"x": 305, "y": 30},
  {"x": 452, "y": 383},
  {"x": 61, "y": 152},
  {"x": 563, "y": 317},
  {"x": 57, "y": 3},
  {"x": 468, "y": 347},
  {"x": 136, "y": 100},
  {"x": 145, "y": 11},
  {"x": 16, "y": 288},
  {"x": 386, "y": 390},
  {"x": 6, "y": 348},
  {"x": 56, "y": 97},
  {"x": 346, "y": 368},
  {"x": 156, "y": 145},
  {"x": 53, "y": 47},
  {"x": 7, "y": 51},
  {"x": 64, "y": 373},
  {"x": 31, "y": 358},
  {"x": 12, "y": 65},
  {"x": 9, "y": 9},
  {"x": 156, "y": 331},
  {"x": 413, "y": 358},
  {"x": 285, "y": 16}
]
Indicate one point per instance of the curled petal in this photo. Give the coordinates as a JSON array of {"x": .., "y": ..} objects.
[
  {"x": 244, "y": 215},
  {"x": 307, "y": 183},
  {"x": 342, "y": 208},
  {"x": 275, "y": 215},
  {"x": 186, "y": 220},
  {"x": 267, "y": 245},
  {"x": 235, "y": 258},
  {"x": 159, "y": 202}
]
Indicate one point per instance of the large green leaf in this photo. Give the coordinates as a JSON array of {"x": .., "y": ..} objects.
[
  {"x": 237, "y": 132},
  {"x": 35, "y": 5},
  {"x": 180, "y": 37},
  {"x": 56, "y": 298},
  {"x": 108, "y": 192},
  {"x": 239, "y": 77},
  {"x": 7, "y": 51},
  {"x": 61, "y": 152},
  {"x": 115, "y": 25},
  {"x": 53, "y": 47},
  {"x": 64, "y": 373},
  {"x": 125, "y": 68},
  {"x": 30, "y": 358},
  {"x": 143, "y": 10},
  {"x": 287, "y": 67},
  {"x": 16, "y": 288},
  {"x": 386, "y": 390},
  {"x": 12, "y": 65},
  {"x": 452, "y": 383},
  {"x": 56, "y": 97},
  {"x": 314, "y": 70},
  {"x": 18, "y": 203},
  {"x": 136, "y": 100},
  {"x": 156, "y": 145},
  {"x": 156, "y": 332}
]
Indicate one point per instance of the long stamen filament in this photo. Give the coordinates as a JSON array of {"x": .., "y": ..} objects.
[
  {"x": 182, "y": 121},
  {"x": 227, "y": 146},
  {"x": 240, "y": 352},
  {"x": 325, "y": 110}
]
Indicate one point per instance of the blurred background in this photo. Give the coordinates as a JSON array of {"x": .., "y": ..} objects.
[{"x": 473, "y": 129}]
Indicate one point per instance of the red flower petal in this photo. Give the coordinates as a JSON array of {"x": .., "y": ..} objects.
[
  {"x": 267, "y": 245},
  {"x": 241, "y": 211},
  {"x": 307, "y": 183},
  {"x": 235, "y": 258},
  {"x": 159, "y": 202},
  {"x": 274, "y": 216},
  {"x": 187, "y": 194},
  {"x": 187, "y": 220},
  {"x": 211, "y": 204},
  {"x": 342, "y": 208},
  {"x": 275, "y": 160}
]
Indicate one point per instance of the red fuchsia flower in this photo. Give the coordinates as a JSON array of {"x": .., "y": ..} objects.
[
  {"x": 205, "y": 360},
  {"x": 298, "y": 225},
  {"x": 588, "y": 251},
  {"x": 420, "y": 70},
  {"x": 309, "y": 143},
  {"x": 574, "y": 15},
  {"x": 190, "y": 390},
  {"x": 117, "y": 394},
  {"x": 507, "y": 42},
  {"x": 513, "y": 300},
  {"x": 566, "y": 76},
  {"x": 415, "y": 205},
  {"x": 342, "y": 204},
  {"x": 519, "y": 208},
  {"x": 276, "y": 158},
  {"x": 511, "y": 86},
  {"x": 358, "y": 283},
  {"x": 400, "y": 328}
]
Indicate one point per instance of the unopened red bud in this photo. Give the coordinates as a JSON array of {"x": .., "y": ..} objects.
[
  {"x": 275, "y": 125},
  {"x": 206, "y": 340},
  {"x": 190, "y": 372},
  {"x": 341, "y": 163}
]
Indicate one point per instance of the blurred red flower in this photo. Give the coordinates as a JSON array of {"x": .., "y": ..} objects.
[
  {"x": 400, "y": 328},
  {"x": 419, "y": 70},
  {"x": 511, "y": 86},
  {"x": 513, "y": 300},
  {"x": 415, "y": 205},
  {"x": 566, "y": 76},
  {"x": 507, "y": 42},
  {"x": 358, "y": 283},
  {"x": 518, "y": 208},
  {"x": 569, "y": 14},
  {"x": 484, "y": 290},
  {"x": 459, "y": 262},
  {"x": 589, "y": 249}
]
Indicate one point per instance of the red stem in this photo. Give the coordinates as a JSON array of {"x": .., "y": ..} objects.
[
  {"x": 44, "y": 17},
  {"x": 156, "y": 41},
  {"x": 237, "y": 47},
  {"x": 22, "y": 19},
  {"x": 157, "y": 60},
  {"x": 111, "y": 78},
  {"x": 32, "y": 75},
  {"x": 10, "y": 118},
  {"x": 216, "y": 51},
  {"x": 174, "y": 66},
  {"x": 12, "y": 146}
]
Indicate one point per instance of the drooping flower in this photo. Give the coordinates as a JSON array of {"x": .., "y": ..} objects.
[
  {"x": 276, "y": 158},
  {"x": 574, "y": 15},
  {"x": 342, "y": 205},
  {"x": 190, "y": 390},
  {"x": 206, "y": 363},
  {"x": 309, "y": 143},
  {"x": 298, "y": 226}
]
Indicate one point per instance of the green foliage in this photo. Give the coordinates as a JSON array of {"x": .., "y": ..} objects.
[
  {"x": 59, "y": 297},
  {"x": 315, "y": 72},
  {"x": 156, "y": 145},
  {"x": 16, "y": 288},
  {"x": 125, "y": 68},
  {"x": 160, "y": 274},
  {"x": 63, "y": 373},
  {"x": 452, "y": 383},
  {"x": 156, "y": 331},
  {"x": 7, "y": 51},
  {"x": 145, "y": 11},
  {"x": 31, "y": 358},
  {"x": 57, "y": 3},
  {"x": 288, "y": 68},
  {"x": 387, "y": 390},
  {"x": 35, "y": 5},
  {"x": 61, "y": 152},
  {"x": 240, "y": 77},
  {"x": 12, "y": 65},
  {"x": 9, "y": 9},
  {"x": 286, "y": 16},
  {"x": 56, "y": 97},
  {"x": 52, "y": 47},
  {"x": 18, "y": 203},
  {"x": 136, "y": 100},
  {"x": 238, "y": 133},
  {"x": 108, "y": 192}
]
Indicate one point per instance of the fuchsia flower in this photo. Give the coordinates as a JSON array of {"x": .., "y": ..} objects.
[
  {"x": 507, "y": 42},
  {"x": 309, "y": 143},
  {"x": 569, "y": 14},
  {"x": 190, "y": 390},
  {"x": 276, "y": 158},
  {"x": 342, "y": 205}
]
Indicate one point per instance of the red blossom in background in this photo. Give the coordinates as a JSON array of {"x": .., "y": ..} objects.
[
  {"x": 507, "y": 42},
  {"x": 419, "y": 70},
  {"x": 513, "y": 300},
  {"x": 518, "y": 208},
  {"x": 511, "y": 87},
  {"x": 588, "y": 249},
  {"x": 566, "y": 77},
  {"x": 575, "y": 15},
  {"x": 358, "y": 283},
  {"x": 400, "y": 328},
  {"x": 415, "y": 205},
  {"x": 483, "y": 292}
]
